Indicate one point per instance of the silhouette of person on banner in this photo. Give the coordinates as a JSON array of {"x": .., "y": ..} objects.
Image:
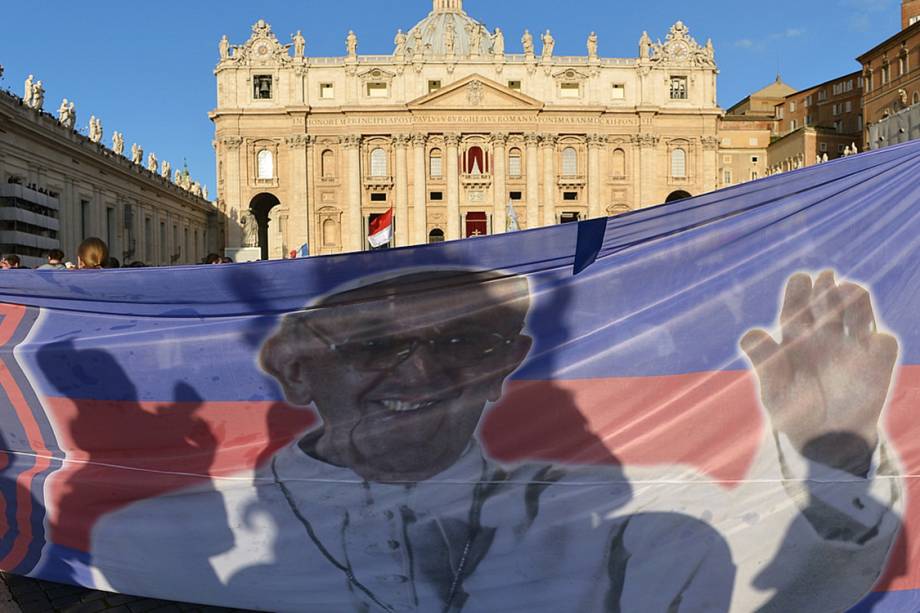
[{"x": 392, "y": 504}]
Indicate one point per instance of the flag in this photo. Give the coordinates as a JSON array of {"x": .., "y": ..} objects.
[
  {"x": 304, "y": 251},
  {"x": 381, "y": 230},
  {"x": 512, "y": 225}
]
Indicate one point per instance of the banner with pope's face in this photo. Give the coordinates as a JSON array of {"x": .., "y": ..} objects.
[{"x": 704, "y": 406}]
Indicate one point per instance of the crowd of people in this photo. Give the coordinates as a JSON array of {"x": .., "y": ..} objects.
[{"x": 92, "y": 253}]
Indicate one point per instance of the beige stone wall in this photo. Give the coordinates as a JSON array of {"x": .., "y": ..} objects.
[
  {"x": 99, "y": 193},
  {"x": 625, "y": 139}
]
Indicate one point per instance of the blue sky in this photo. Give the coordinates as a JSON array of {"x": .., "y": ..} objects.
[{"x": 146, "y": 68}]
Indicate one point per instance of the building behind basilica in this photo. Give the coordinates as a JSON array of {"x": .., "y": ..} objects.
[{"x": 455, "y": 132}]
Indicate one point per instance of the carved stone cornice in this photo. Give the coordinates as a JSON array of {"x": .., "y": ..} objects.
[
  {"x": 646, "y": 140},
  {"x": 419, "y": 139},
  {"x": 596, "y": 140},
  {"x": 548, "y": 140},
  {"x": 298, "y": 141},
  {"x": 452, "y": 140},
  {"x": 402, "y": 141},
  {"x": 532, "y": 139},
  {"x": 499, "y": 139},
  {"x": 232, "y": 142},
  {"x": 352, "y": 141},
  {"x": 710, "y": 143}
]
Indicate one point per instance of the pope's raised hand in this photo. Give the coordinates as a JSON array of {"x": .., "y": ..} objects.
[{"x": 831, "y": 371}]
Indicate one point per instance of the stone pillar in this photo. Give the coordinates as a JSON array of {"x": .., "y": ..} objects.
[
  {"x": 533, "y": 181},
  {"x": 420, "y": 197},
  {"x": 298, "y": 220},
  {"x": 548, "y": 142},
  {"x": 710, "y": 164},
  {"x": 313, "y": 236},
  {"x": 452, "y": 161},
  {"x": 595, "y": 206},
  {"x": 647, "y": 152},
  {"x": 401, "y": 142},
  {"x": 352, "y": 230},
  {"x": 499, "y": 191},
  {"x": 234, "y": 181}
]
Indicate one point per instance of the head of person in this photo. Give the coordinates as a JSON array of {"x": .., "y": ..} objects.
[
  {"x": 55, "y": 256},
  {"x": 401, "y": 370},
  {"x": 226, "y": 260},
  {"x": 11, "y": 261},
  {"x": 92, "y": 253},
  {"x": 112, "y": 262},
  {"x": 213, "y": 258}
]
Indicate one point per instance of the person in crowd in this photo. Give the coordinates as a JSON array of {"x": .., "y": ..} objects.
[
  {"x": 136, "y": 264},
  {"x": 11, "y": 262},
  {"x": 112, "y": 262},
  {"x": 226, "y": 260},
  {"x": 55, "y": 261},
  {"x": 92, "y": 253},
  {"x": 213, "y": 258}
]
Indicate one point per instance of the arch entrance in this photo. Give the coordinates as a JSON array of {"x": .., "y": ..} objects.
[
  {"x": 678, "y": 195},
  {"x": 261, "y": 207}
]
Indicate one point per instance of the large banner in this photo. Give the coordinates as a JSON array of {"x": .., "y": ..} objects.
[{"x": 705, "y": 406}]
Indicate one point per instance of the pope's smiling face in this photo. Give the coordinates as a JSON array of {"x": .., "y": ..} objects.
[{"x": 401, "y": 371}]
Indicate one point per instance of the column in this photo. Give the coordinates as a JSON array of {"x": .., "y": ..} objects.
[
  {"x": 548, "y": 142},
  {"x": 499, "y": 191},
  {"x": 298, "y": 220},
  {"x": 532, "y": 141},
  {"x": 401, "y": 143},
  {"x": 420, "y": 214},
  {"x": 232, "y": 195},
  {"x": 595, "y": 206},
  {"x": 313, "y": 237},
  {"x": 710, "y": 163},
  {"x": 452, "y": 161},
  {"x": 352, "y": 232},
  {"x": 648, "y": 176}
]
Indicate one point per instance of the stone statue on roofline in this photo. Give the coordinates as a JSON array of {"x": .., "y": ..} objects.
[
  {"x": 400, "y": 42},
  {"x": 27, "y": 91},
  {"x": 549, "y": 45},
  {"x": 300, "y": 43},
  {"x": 527, "y": 43},
  {"x": 645, "y": 46},
  {"x": 475, "y": 39},
  {"x": 118, "y": 142},
  {"x": 592, "y": 46},
  {"x": 177, "y": 177},
  {"x": 224, "y": 47},
  {"x": 449, "y": 38},
  {"x": 351, "y": 44},
  {"x": 152, "y": 163},
  {"x": 137, "y": 154},
  {"x": 38, "y": 96},
  {"x": 165, "y": 168},
  {"x": 498, "y": 42}
]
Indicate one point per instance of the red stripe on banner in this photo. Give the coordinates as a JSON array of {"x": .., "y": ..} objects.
[
  {"x": 12, "y": 314},
  {"x": 381, "y": 222},
  {"x": 24, "y": 480}
]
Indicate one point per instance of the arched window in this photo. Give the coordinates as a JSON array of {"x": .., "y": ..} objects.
[
  {"x": 619, "y": 163},
  {"x": 266, "y": 164},
  {"x": 569, "y": 162},
  {"x": 327, "y": 163},
  {"x": 435, "y": 169},
  {"x": 475, "y": 161},
  {"x": 679, "y": 163},
  {"x": 436, "y": 236},
  {"x": 378, "y": 163},
  {"x": 514, "y": 163}
]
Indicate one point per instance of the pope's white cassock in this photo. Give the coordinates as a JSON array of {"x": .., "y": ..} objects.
[{"x": 302, "y": 535}]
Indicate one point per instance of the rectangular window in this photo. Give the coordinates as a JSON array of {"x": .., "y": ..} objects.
[
  {"x": 754, "y": 159},
  {"x": 780, "y": 112},
  {"x": 884, "y": 74},
  {"x": 148, "y": 239},
  {"x": 377, "y": 90},
  {"x": 433, "y": 86},
  {"x": 726, "y": 159},
  {"x": 175, "y": 241},
  {"x": 515, "y": 85},
  {"x": 752, "y": 141},
  {"x": 262, "y": 87},
  {"x": 163, "y": 257},
  {"x": 436, "y": 196},
  {"x": 807, "y": 120},
  {"x": 109, "y": 226},
  {"x": 838, "y": 126},
  {"x": 848, "y": 106},
  {"x": 823, "y": 147},
  {"x": 569, "y": 90},
  {"x": 792, "y": 104},
  {"x": 569, "y": 217},
  {"x": 836, "y": 109},
  {"x": 840, "y": 148},
  {"x": 326, "y": 91},
  {"x": 822, "y": 95},
  {"x": 727, "y": 176},
  {"x": 515, "y": 195},
  {"x": 85, "y": 211},
  {"x": 570, "y": 196},
  {"x": 902, "y": 67},
  {"x": 378, "y": 197},
  {"x": 514, "y": 166},
  {"x": 678, "y": 88},
  {"x": 435, "y": 167},
  {"x": 619, "y": 91},
  {"x": 726, "y": 141},
  {"x": 793, "y": 125}
]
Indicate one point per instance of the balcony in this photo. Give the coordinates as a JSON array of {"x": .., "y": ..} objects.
[
  {"x": 476, "y": 181},
  {"x": 378, "y": 183},
  {"x": 14, "y": 190},
  {"x": 570, "y": 181}
]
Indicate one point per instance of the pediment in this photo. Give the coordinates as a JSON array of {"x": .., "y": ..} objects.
[{"x": 476, "y": 92}]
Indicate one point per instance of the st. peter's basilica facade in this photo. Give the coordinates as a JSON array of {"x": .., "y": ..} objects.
[{"x": 460, "y": 136}]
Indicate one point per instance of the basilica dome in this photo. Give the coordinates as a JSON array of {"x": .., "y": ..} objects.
[{"x": 447, "y": 24}]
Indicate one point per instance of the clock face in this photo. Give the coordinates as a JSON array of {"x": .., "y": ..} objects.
[
  {"x": 262, "y": 49},
  {"x": 680, "y": 51}
]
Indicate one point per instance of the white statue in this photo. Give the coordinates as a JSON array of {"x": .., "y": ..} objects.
[
  {"x": 177, "y": 177},
  {"x": 27, "y": 91},
  {"x": 710, "y": 50},
  {"x": 351, "y": 44},
  {"x": 824, "y": 158},
  {"x": 152, "y": 163},
  {"x": 224, "y": 47},
  {"x": 549, "y": 44},
  {"x": 137, "y": 154},
  {"x": 527, "y": 42},
  {"x": 300, "y": 43},
  {"x": 118, "y": 142},
  {"x": 419, "y": 46},
  {"x": 250, "y": 229},
  {"x": 854, "y": 148},
  {"x": 592, "y": 46},
  {"x": 498, "y": 42},
  {"x": 165, "y": 167},
  {"x": 186, "y": 182},
  {"x": 645, "y": 46},
  {"x": 98, "y": 130},
  {"x": 400, "y": 42},
  {"x": 204, "y": 192},
  {"x": 95, "y": 129},
  {"x": 38, "y": 96},
  {"x": 63, "y": 111}
]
